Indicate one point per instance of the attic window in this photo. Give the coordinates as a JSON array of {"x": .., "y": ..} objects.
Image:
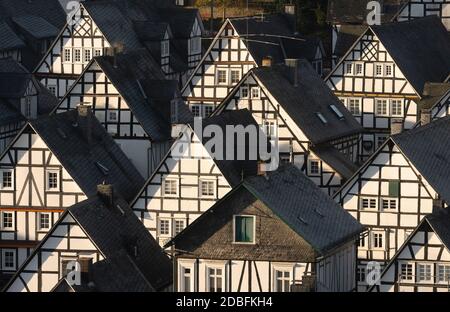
[
  {"x": 102, "y": 168},
  {"x": 141, "y": 89},
  {"x": 320, "y": 213},
  {"x": 120, "y": 209},
  {"x": 337, "y": 111},
  {"x": 322, "y": 118},
  {"x": 302, "y": 220}
]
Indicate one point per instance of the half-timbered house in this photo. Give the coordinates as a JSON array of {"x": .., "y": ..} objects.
[
  {"x": 435, "y": 102},
  {"x": 103, "y": 238},
  {"x": 314, "y": 129},
  {"x": 396, "y": 188},
  {"x": 131, "y": 98},
  {"x": 422, "y": 264},
  {"x": 27, "y": 28},
  {"x": 22, "y": 97},
  {"x": 99, "y": 26},
  {"x": 240, "y": 45},
  {"x": 273, "y": 233},
  {"x": 188, "y": 182},
  {"x": 383, "y": 75},
  {"x": 53, "y": 163}
]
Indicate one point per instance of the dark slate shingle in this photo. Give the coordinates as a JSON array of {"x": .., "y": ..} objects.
[
  {"x": 9, "y": 40},
  {"x": 36, "y": 26}
]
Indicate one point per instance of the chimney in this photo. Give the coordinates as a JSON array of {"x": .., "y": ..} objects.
[
  {"x": 105, "y": 192},
  {"x": 85, "y": 121},
  {"x": 425, "y": 116},
  {"x": 267, "y": 61},
  {"x": 396, "y": 126},
  {"x": 292, "y": 64}
]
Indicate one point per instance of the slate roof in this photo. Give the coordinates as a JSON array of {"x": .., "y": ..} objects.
[
  {"x": 274, "y": 36},
  {"x": 9, "y": 40},
  {"x": 83, "y": 160},
  {"x": 427, "y": 149},
  {"x": 432, "y": 94},
  {"x": 420, "y": 63},
  {"x": 338, "y": 161},
  {"x": 440, "y": 223},
  {"x": 36, "y": 26},
  {"x": 116, "y": 235},
  {"x": 355, "y": 11},
  {"x": 299, "y": 203},
  {"x": 302, "y": 102},
  {"x": 9, "y": 114},
  {"x": 347, "y": 35}
]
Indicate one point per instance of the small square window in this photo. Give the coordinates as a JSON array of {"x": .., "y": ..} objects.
[
  {"x": 255, "y": 93},
  {"x": 368, "y": 203},
  {"x": 244, "y": 92},
  {"x": 314, "y": 167},
  {"x": 8, "y": 259},
  {"x": 171, "y": 187},
  {"x": 52, "y": 180},
  {"x": 97, "y": 52},
  {"x": 164, "y": 227},
  {"x": 207, "y": 188},
  {"x": 7, "y": 220},
  {"x": 222, "y": 76},
  {"x": 44, "y": 221},
  {"x": 209, "y": 109},
  {"x": 407, "y": 272},
  {"x": 282, "y": 280},
  {"x": 443, "y": 273},
  {"x": 244, "y": 229},
  {"x": 112, "y": 115},
  {"x": 389, "y": 203},
  {"x": 7, "y": 179},
  {"x": 424, "y": 273},
  {"x": 196, "y": 111},
  {"x": 235, "y": 76},
  {"x": 52, "y": 89}
]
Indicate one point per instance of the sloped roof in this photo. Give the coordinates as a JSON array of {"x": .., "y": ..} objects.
[
  {"x": 419, "y": 47},
  {"x": 14, "y": 79},
  {"x": 338, "y": 161},
  {"x": 440, "y": 223},
  {"x": 432, "y": 93},
  {"x": 347, "y": 35},
  {"x": 304, "y": 101},
  {"x": 83, "y": 160},
  {"x": 8, "y": 38},
  {"x": 118, "y": 236},
  {"x": 9, "y": 114},
  {"x": 427, "y": 148},
  {"x": 36, "y": 26}
]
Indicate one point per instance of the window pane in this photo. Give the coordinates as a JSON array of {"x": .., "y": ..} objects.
[{"x": 244, "y": 229}]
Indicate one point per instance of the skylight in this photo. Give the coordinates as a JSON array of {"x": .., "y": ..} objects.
[
  {"x": 322, "y": 118},
  {"x": 102, "y": 168},
  {"x": 337, "y": 111}
]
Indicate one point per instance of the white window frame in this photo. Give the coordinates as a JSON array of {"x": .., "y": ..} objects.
[
  {"x": 446, "y": 267},
  {"x": 47, "y": 180},
  {"x": 431, "y": 273},
  {"x": 258, "y": 96},
  {"x": 373, "y": 240},
  {"x": 174, "y": 226},
  {"x": 270, "y": 128},
  {"x": 358, "y": 274},
  {"x": 11, "y": 171},
  {"x": 310, "y": 167},
  {"x": 215, "y": 267},
  {"x": 372, "y": 203},
  {"x": 87, "y": 55},
  {"x": 225, "y": 70},
  {"x": 358, "y": 100},
  {"x": 182, "y": 283},
  {"x": 254, "y": 230},
  {"x": 97, "y": 52},
  {"x": 165, "y": 48},
  {"x": 400, "y": 270},
  {"x": 13, "y": 221},
  {"x": 377, "y": 101},
  {"x": 349, "y": 65},
  {"x": 390, "y": 200},
  {"x": 14, "y": 252},
  {"x": 231, "y": 75},
  {"x": 199, "y": 107},
  {"x": 241, "y": 94},
  {"x": 283, "y": 269},
  {"x": 80, "y": 61},
  {"x": 365, "y": 240},
  {"x": 391, "y": 106},
  {"x": 375, "y": 73},
  {"x": 67, "y": 52},
  {"x": 201, "y": 195},
  {"x": 169, "y": 223},
  {"x": 172, "y": 180},
  {"x": 355, "y": 69},
  {"x": 386, "y": 66},
  {"x": 39, "y": 220}
]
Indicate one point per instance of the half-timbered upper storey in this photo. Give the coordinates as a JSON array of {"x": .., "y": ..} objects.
[
  {"x": 131, "y": 98},
  {"x": 22, "y": 97},
  {"x": 313, "y": 128},
  {"x": 278, "y": 232},
  {"x": 396, "y": 188},
  {"x": 123, "y": 25},
  {"x": 110, "y": 245},
  {"x": 53, "y": 163},
  {"x": 382, "y": 77},
  {"x": 422, "y": 264},
  {"x": 435, "y": 102},
  {"x": 240, "y": 45},
  {"x": 192, "y": 177},
  {"x": 27, "y": 29}
]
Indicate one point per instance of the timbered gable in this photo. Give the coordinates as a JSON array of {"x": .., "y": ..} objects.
[{"x": 413, "y": 9}]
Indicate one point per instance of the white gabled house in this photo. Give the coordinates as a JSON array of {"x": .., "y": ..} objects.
[
  {"x": 240, "y": 45},
  {"x": 383, "y": 75},
  {"x": 313, "y": 128},
  {"x": 396, "y": 188},
  {"x": 187, "y": 183},
  {"x": 53, "y": 163}
]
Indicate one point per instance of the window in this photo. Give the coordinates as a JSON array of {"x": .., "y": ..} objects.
[
  {"x": 394, "y": 188},
  {"x": 244, "y": 229},
  {"x": 282, "y": 280},
  {"x": 178, "y": 226},
  {"x": 186, "y": 279},
  {"x": 165, "y": 46},
  {"x": 87, "y": 55},
  {"x": 7, "y": 179},
  {"x": 378, "y": 70},
  {"x": 406, "y": 270},
  {"x": 270, "y": 128},
  {"x": 77, "y": 55},
  {"x": 361, "y": 275},
  {"x": 396, "y": 108},
  {"x": 235, "y": 76},
  {"x": 52, "y": 180},
  {"x": 8, "y": 259},
  {"x": 7, "y": 220},
  {"x": 97, "y": 52},
  {"x": 112, "y": 115},
  {"x": 52, "y": 90},
  {"x": 314, "y": 167},
  {"x": 337, "y": 111},
  {"x": 388, "y": 70},
  {"x": 170, "y": 187},
  {"x": 381, "y": 107},
  {"x": 380, "y": 140},
  {"x": 68, "y": 55},
  {"x": 378, "y": 240},
  {"x": 207, "y": 188},
  {"x": 222, "y": 76},
  {"x": 359, "y": 69},
  {"x": 368, "y": 203},
  {"x": 443, "y": 273},
  {"x": 322, "y": 118},
  {"x": 196, "y": 110},
  {"x": 28, "y": 107},
  {"x": 424, "y": 273},
  {"x": 255, "y": 93},
  {"x": 354, "y": 106},
  {"x": 44, "y": 221},
  {"x": 349, "y": 68},
  {"x": 164, "y": 227},
  {"x": 208, "y": 110},
  {"x": 215, "y": 279},
  {"x": 244, "y": 92},
  {"x": 389, "y": 203},
  {"x": 362, "y": 242}
]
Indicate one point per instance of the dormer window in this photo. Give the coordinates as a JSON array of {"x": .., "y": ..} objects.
[
  {"x": 337, "y": 111},
  {"x": 322, "y": 118},
  {"x": 244, "y": 229}
]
